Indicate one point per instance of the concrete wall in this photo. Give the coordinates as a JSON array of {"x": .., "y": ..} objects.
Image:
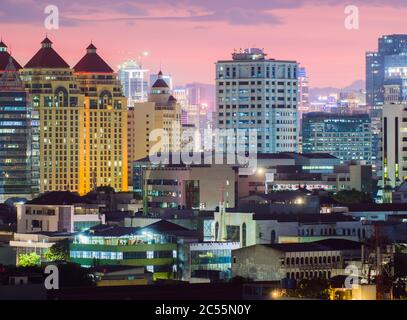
[{"x": 258, "y": 263}]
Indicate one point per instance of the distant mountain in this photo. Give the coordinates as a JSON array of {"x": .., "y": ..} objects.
[{"x": 355, "y": 86}]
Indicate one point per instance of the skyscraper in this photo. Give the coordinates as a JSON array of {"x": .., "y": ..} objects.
[
  {"x": 19, "y": 176},
  {"x": 83, "y": 121},
  {"x": 132, "y": 78},
  {"x": 105, "y": 123},
  {"x": 346, "y": 137},
  {"x": 55, "y": 94},
  {"x": 262, "y": 94},
  {"x": 386, "y": 66},
  {"x": 161, "y": 111},
  {"x": 394, "y": 137}
]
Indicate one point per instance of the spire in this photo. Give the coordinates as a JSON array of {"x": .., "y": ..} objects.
[
  {"x": 46, "y": 43},
  {"x": 91, "y": 48}
]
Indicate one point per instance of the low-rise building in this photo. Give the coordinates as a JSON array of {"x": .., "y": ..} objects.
[
  {"x": 195, "y": 186},
  {"x": 159, "y": 247},
  {"x": 211, "y": 261},
  {"x": 271, "y": 262},
  {"x": 59, "y": 211},
  {"x": 250, "y": 228},
  {"x": 39, "y": 243}
]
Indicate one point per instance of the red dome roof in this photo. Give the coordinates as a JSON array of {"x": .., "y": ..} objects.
[
  {"x": 92, "y": 62},
  {"x": 46, "y": 57}
]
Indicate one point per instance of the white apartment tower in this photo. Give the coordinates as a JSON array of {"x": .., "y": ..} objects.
[
  {"x": 394, "y": 137},
  {"x": 253, "y": 92}
]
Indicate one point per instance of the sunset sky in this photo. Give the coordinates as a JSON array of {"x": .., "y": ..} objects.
[{"x": 187, "y": 36}]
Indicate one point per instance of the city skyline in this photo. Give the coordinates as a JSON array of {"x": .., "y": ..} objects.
[{"x": 177, "y": 36}]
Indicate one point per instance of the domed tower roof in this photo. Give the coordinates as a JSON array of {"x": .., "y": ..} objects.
[
  {"x": 5, "y": 58},
  {"x": 46, "y": 57},
  {"x": 92, "y": 62}
]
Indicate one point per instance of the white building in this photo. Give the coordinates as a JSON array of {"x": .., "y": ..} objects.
[
  {"x": 250, "y": 228},
  {"x": 253, "y": 92},
  {"x": 273, "y": 262},
  {"x": 57, "y": 212},
  {"x": 132, "y": 78}
]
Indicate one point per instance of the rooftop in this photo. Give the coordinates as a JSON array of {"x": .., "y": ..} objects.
[
  {"x": 322, "y": 245},
  {"x": 91, "y": 62},
  {"x": 58, "y": 198},
  {"x": 46, "y": 57},
  {"x": 5, "y": 58}
]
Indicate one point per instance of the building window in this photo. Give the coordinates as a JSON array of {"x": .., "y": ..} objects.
[{"x": 244, "y": 235}]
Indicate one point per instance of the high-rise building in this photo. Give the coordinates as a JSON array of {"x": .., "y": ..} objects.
[
  {"x": 161, "y": 111},
  {"x": 201, "y": 94},
  {"x": 132, "y": 78},
  {"x": 55, "y": 94},
  {"x": 83, "y": 121},
  {"x": 386, "y": 66},
  {"x": 105, "y": 124},
  {"x": 303, "y": 92},
  {"x": 181, "y": 94},
  {"x": 347, "y": 137},
  {"x": 394, "y": 137},
  {"x": 19, "y": 163},
  {"x": 253, "y": 92}
]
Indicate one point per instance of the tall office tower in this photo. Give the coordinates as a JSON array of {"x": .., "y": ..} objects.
[
  {"x": 162, "y": 111},
  {"x": 347, "y": 137},
  {"x": 303, "y": 92},
  {"x": 201, "y": 94},
  {"x": 262, "y": 94},
  {"x": 394, "y": 137},
  {"x": 105, "y": 123},
  {"x": 387, "y": 65},
  {"x": 303, "y": 104},
  {"x": 55, "y": 94},
  {"x": 132, "y": 78},
  {"x": 167, "y": 79},
  {"x": 181, "y": 94},
  {"x": 19, "y": 163}
]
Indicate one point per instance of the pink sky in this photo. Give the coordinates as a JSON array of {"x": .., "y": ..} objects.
[{"x": 315, "y": 36}]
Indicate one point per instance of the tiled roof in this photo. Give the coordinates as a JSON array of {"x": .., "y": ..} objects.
[
  {"x": 92, "y": 62},
  {"x": 5, "y": 58},
  {"x": 46, "y": 57}
]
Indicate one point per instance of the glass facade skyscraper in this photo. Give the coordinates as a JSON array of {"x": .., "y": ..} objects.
[
  {"x": 346, "y": 137},
  {"x": 386, "y": 66},
  {"x": 132, "y": 78},
  {"x": 19, "y": 139}
]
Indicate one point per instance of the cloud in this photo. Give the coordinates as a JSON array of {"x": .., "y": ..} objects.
[{"x": 234, "y": 12}]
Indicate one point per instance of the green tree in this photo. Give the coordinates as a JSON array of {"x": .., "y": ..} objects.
[
  {"x": 352, "y": 197},
  {"x": 29, "y": 259},
  {"x": 58, "y": 252},
  {"x": 312, "y": 289}
]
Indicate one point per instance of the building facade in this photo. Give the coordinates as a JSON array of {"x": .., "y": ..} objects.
[
  {"x": 347, "y": 137},
  {"x": 316, "y": 260},
  {"x": 162, "y": 115},
  {"x": 82, "y": 121},
  {"x": 253, "y": 92},
  {"x": 132, "y": 77},
  {"x": 19, "y": 139},
  {"x": 105, "y": 124}
]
